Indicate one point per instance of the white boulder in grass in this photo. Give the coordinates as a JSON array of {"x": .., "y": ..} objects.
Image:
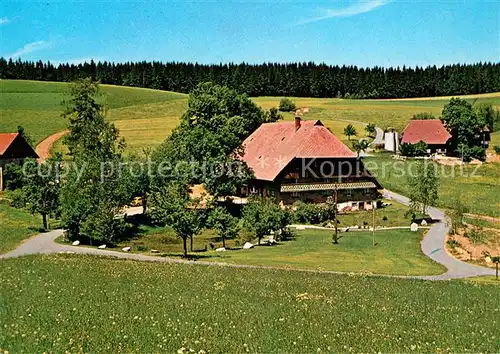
[
  {"x": 101, "y": 247},
  {"x": 155, "y": 251},
  {"x": 75, "y": 243},
  {"x": 423, "y": 223},
  {"x": 300, "y": 227},
  {"x": 247, "y": 246},
  {"x": 222, "y": 249},
  {"x": 126, "y": 249},
  {"x": 414, "y": 227}
]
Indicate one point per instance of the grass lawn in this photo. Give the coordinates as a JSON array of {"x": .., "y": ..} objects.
[
  {"x": 484, "y": 280},
  {"x": 70, "y": 303},
  {"x": 387, "y": 216},
  {"x": 396, "y": 252},
  {"x": 478, "y": 187},
  {"x": 15, "y": 226}
]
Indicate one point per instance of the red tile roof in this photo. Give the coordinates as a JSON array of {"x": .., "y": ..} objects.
[
  {"x": 5, "y": 140},
  {"x": 271, "y": 147},
  {"x": 430, "y": 131}
]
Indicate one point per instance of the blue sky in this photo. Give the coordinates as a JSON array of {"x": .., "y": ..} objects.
[{"x": 363, "y": 33}]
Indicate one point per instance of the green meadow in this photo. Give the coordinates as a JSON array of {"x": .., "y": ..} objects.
[
  {"x": 478, "y": 186},
  {"x": 37, "y": 106},
  {"x": 145, "y": 117},
  {"x": 70, "y": 303},
  {"x": 15, "y": 226},
  {"x": 396, "y": 251}
]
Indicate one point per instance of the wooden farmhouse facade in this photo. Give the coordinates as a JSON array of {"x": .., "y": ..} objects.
[
  {"x": 303, "y": 160},
  {"x": 13, "y": 149}
]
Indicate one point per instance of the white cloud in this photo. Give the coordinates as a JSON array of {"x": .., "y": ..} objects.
[
  {"x": 30, "y": 48},
  {"x": 4, "y": 21},
  {"x": 356, "y": 8}
]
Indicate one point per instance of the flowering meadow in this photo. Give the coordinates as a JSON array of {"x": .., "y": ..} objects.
[{"x": 76, "y": 303}]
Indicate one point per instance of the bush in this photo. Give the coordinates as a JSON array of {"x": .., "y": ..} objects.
[
  {"x": 497, "y": 149},
  {"x": 13, "y": 176},
  {"x": 287, "y": 105},
  {"x": 306, "y": 213},
  {"x": 18, "y": 199},
  {"x": 475, "y": 152},
  {"x": 418, "y": 149}
]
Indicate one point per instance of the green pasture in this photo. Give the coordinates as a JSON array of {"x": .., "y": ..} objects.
[
  {"x": 70, "y": 303},
  {"x": 478, "y": 186},
  {"x": 145, "y": 117},
  {"x": 15, "y": 226}
]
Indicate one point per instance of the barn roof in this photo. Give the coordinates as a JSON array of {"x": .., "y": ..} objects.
[
  {"x": 271, "y": 147},
  {"x": 430, "y": 131},
  {"x": 6, "y": 139},
  {"x": 13, "y": 145}
]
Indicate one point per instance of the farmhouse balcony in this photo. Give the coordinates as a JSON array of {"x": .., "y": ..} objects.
[{"x": 306, "y": 187}]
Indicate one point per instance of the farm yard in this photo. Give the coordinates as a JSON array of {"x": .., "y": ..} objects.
[{"x": 56, "y": 303}]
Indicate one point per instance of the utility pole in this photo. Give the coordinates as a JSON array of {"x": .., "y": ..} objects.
[
  {"x": 336, "y": 211},
  {"x": 373, "y": 225}
]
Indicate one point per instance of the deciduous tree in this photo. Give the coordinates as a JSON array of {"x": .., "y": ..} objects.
[
  {"x": 423, "y": 184},
  {"x": 223, "y": 223},
  {"x": 172, "y": 206},
  {"x": 41, "y": 188},
  {"x": 349, "y": 131}
]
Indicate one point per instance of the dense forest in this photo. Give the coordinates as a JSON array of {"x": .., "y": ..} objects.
[{"x": 274, "y": 79}]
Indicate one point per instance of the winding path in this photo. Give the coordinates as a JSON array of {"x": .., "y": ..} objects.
[
  {"x": 433, "y": 246},
  {"x": 43, "y": 149}
]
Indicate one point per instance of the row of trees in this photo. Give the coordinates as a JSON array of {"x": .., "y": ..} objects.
[{"x": 274, "y": 79}]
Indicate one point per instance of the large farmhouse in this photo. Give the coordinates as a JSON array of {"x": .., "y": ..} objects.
[
  {"x": 430, "y": 131},
  {"x": 303, "y": 160},
  {"x": 13, "y": 149}
]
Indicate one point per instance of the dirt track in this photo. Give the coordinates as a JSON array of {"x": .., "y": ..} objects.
[{"x": 43, "y": 149}]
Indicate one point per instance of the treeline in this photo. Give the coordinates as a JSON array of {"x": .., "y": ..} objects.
[{"x": 274, "y": 79}]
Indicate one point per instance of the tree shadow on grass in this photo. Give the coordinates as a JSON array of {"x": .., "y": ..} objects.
[{"x": 193, "y": 256}]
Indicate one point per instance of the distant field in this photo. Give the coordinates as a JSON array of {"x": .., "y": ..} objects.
[
  {"x": 146, "y": 117},
  {"x": 69, "y": 303},
  {"x": 37, "y": 105},
  {"x": 383, "y": 113}
]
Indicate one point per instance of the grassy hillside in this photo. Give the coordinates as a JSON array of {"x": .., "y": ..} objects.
[
  {"x": 37, "y": 105},
  {"x": 145, "y": 117},
  {"x": 383, "y": 113},
  {"x": 477, "y": 186},
  {"x": 68, "y": 303}
]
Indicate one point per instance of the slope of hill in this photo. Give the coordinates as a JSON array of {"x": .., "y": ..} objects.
[
  {"x": 145, "y": 117},
  {"x": 37, "y": 105}
]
